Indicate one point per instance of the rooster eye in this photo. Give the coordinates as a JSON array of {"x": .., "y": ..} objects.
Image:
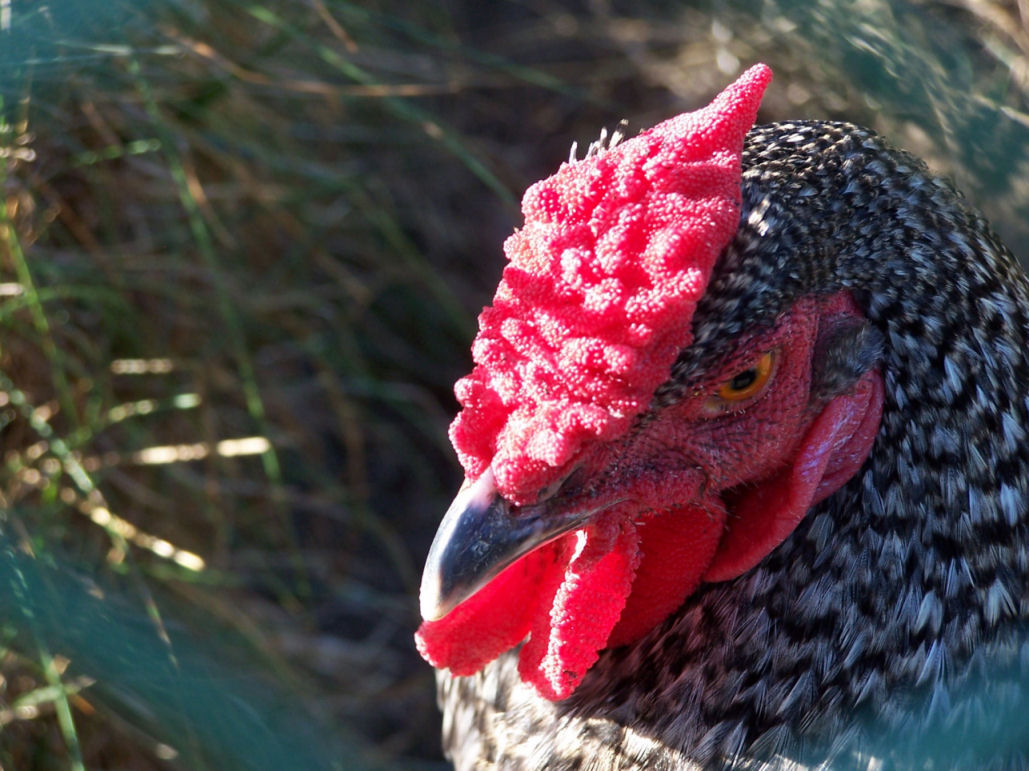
[{"x": 746, "y": 383}]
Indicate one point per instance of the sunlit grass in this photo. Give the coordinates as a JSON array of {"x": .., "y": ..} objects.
[{"x": 195, "y": 378}]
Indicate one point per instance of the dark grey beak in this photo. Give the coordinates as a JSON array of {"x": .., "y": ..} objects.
[{"x": 481, "y": 534}]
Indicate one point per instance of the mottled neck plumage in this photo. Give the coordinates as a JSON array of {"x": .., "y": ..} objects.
[{"x": 893, "y": 622}]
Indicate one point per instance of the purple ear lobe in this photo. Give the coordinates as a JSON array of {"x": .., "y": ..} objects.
[{"x": 832, "y": 451}]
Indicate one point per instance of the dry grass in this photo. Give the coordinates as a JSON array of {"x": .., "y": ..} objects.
[{"x": 241, "y": 251}]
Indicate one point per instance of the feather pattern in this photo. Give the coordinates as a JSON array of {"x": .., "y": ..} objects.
[{"x": 891, "y": 628}]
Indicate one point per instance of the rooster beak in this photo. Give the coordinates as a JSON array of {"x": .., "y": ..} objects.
[{"x": 481, "y": 534}]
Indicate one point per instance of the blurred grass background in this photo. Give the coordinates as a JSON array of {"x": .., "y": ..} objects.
[{"x": 242, "y": 247}]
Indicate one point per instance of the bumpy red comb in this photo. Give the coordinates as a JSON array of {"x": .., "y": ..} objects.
[{"x": 600, "y": 291}]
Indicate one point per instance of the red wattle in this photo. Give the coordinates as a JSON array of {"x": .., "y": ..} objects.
[
  {"x": 565, "y": 643},
  {"x": 497, "y": 617},
  {"x": 676, "y": 548},
  {"x": 566, "y": 596}
]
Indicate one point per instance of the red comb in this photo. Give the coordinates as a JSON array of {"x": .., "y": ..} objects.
[{"x": 599, "y": 294}]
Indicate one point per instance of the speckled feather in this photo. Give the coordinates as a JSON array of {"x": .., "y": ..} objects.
[{"x": 891, "y": 629}]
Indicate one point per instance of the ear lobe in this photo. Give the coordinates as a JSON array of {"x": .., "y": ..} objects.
[
  {"x": 831, "y": 452},
  {"x": 847, "y": 346}
]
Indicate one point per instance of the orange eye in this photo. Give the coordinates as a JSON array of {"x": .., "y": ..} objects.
[{"x": 746, "y": 383}]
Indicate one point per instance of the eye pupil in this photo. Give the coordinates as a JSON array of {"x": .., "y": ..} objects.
[
  {"x": 743, "y": 380},
  {"x": 746, "y": 384}
]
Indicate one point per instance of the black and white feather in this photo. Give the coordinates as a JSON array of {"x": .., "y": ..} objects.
[{"x": 891, "y": 629}]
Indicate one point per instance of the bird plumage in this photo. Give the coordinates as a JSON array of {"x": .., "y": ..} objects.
[{"x": 892, "y": 625}]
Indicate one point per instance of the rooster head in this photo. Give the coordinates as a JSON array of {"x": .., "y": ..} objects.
[{"x": 594, "y": 506}]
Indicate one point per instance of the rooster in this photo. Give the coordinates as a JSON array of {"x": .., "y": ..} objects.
[{"x": 746, "y": 466}]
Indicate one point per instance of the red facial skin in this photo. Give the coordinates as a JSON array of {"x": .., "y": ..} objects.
[{"x": 705, "y": 490}]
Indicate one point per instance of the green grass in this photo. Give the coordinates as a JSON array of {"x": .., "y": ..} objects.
[{"x": 242, "y": 247}]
